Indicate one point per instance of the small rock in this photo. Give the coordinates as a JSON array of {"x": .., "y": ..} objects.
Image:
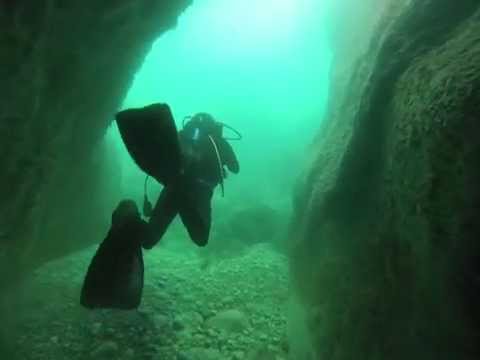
[
  {"x": 229, "y": 320},
  {"x": 230, "y": 343},
  {"x": 96, "y": 328},
  {"x": 108, "y": 349},
  {"x": 188, "y": 320},
  {"x": 161, "y": 321}
]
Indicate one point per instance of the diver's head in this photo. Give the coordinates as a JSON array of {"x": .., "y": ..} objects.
[
  {"x": 209, "y": 126},
  {"x": 206, "y": 123}
]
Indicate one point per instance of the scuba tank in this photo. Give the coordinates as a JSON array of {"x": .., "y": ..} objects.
[{"x": 204, "y": 125}]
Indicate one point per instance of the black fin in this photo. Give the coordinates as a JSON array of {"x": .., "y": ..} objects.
[
  {"x": 115, "y": 276},
  {"x": 151, "y": 138}
]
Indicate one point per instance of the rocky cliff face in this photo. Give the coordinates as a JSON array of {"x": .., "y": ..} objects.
[
  {"x": 386, "y": 256},
  {"x": 65, "y": 67}
]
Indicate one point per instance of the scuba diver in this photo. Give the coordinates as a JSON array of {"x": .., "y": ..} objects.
[
  {"x": 204, "y": 155},
  {"x": 189, "y": 164}
]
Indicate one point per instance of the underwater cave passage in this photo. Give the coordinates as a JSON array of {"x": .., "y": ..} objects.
[{"x": 261, "y": 67}]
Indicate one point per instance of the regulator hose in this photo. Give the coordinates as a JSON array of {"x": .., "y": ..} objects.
[
  {"x": 220, "y": 168},
  {"x": 147, "y": 205},
  {"x": 239, "y": 135}
]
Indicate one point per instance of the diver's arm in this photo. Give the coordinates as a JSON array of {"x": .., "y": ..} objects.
[{"x": 228, "y": 156}]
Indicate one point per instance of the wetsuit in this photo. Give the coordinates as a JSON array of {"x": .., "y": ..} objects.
[{"x": 190, "y": 194}]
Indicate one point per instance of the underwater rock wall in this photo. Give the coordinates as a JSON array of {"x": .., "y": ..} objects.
[
  {"x": 65, "y": 68},
  {"x": 386, "y": 253}
]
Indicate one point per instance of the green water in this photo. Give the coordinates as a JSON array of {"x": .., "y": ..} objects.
[{"x": 261, "y": 67}]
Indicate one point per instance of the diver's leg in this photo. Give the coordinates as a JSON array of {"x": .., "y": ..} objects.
[
  {"x": 163, "y": 213},
  {"x": 195, "y": 211}
]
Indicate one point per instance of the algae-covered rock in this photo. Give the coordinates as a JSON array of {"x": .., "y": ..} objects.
[
  {"x": 229, "y": 321},
  {"x": 189, "y": 320},
  {"x": 384, "y": 219}
]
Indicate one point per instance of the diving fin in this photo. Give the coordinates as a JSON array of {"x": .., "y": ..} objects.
[
  {"x": 115, "y": 276},
  {"x": 151, "y": 138}
]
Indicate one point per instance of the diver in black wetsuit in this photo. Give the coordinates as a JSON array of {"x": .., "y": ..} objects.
[
  {"x": 205, "y": 154},
  {"x": 192, "y": 164}
]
